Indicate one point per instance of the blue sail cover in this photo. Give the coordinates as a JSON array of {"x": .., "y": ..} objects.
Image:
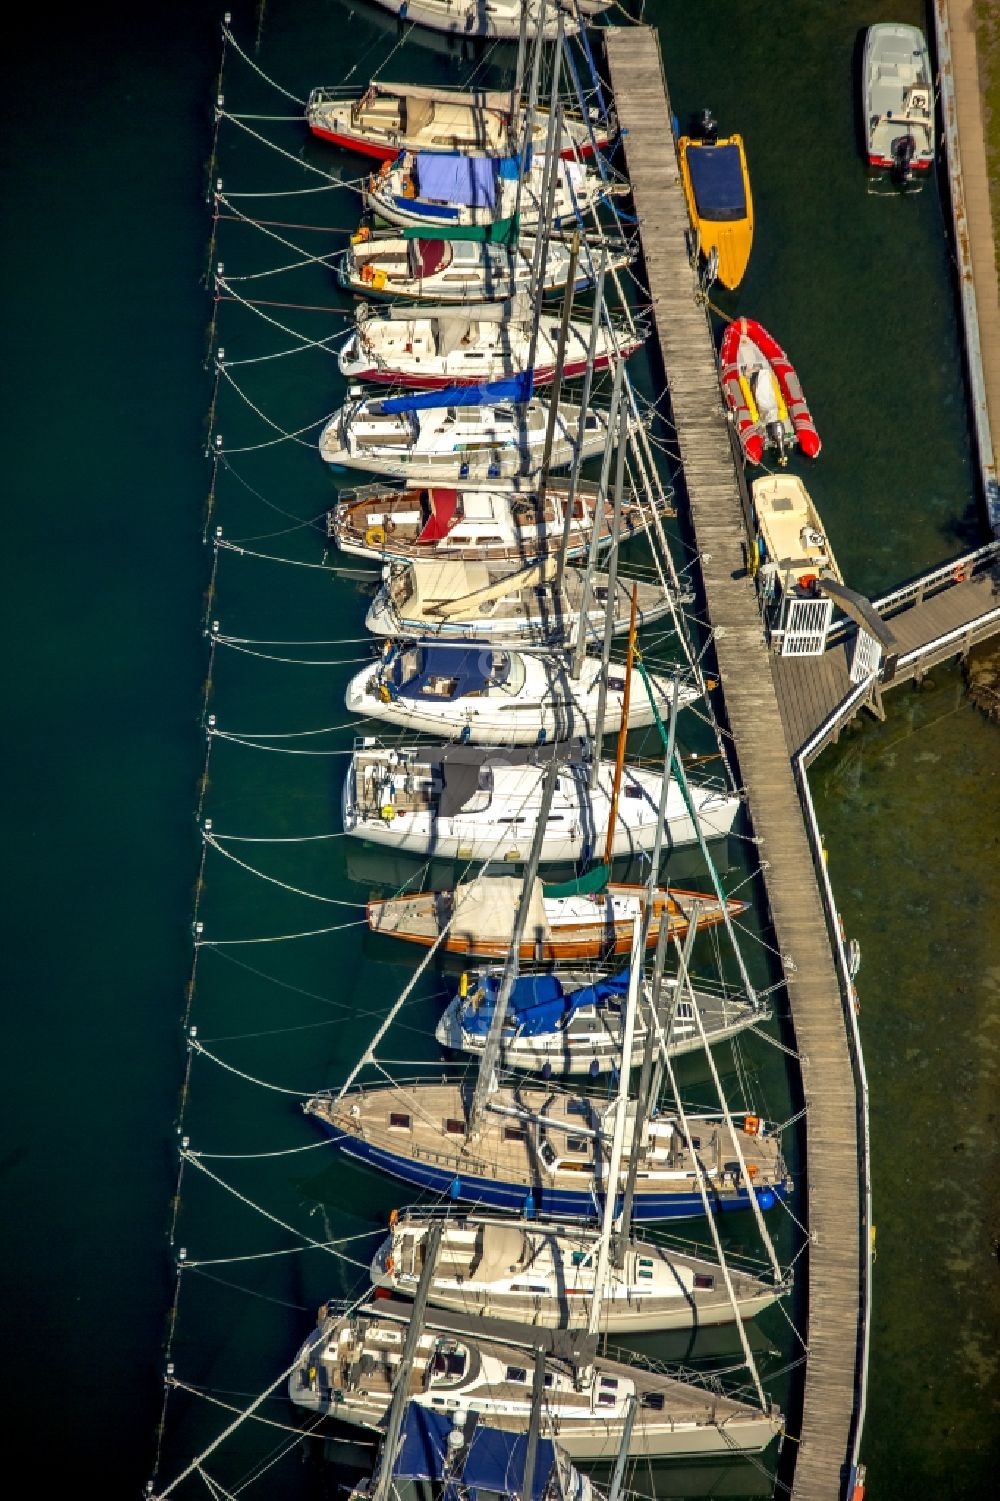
[
  {"x": 538, "y": 1003},
  {"x": 512, "y": 388},
  {"x": 493, "y": 1461},
  {"x": 467, "y": 669},
  {"x": 470, "y": 181},
  {"x": 717, "y": 180}
]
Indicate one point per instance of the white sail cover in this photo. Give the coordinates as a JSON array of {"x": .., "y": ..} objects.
[{"x": 487, "y": 909}]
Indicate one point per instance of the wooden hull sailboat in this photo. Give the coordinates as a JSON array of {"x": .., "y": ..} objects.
[
  {"x": 543, "y": 1274},
  {"x": 477, "y": 918},
  {"x": 385, "y": 118}
]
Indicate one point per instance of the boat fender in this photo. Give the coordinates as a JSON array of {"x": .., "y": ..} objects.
[
  {"x": 751, "y": 1124},
  {"x": 387, "y": 813},
  {"x": 384, "y": 693},
  {"x": 463, "y": 984},
  {"x": 393, "y": 1218},
  {"x": 368, "y": 272},
  {"x": 961, "y": 574},
  {"x": 808, "y": 581},
  {"x": 385, "y": 169},
  {"x": 379, "y": 280},
  {"x": 375, "y": 536},
  {"x": 390, "y": 1264},
  {"x": 364, "y": 233}
]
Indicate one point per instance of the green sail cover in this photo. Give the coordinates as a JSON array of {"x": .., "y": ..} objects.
[
  {"x": 500, "y": 232},
  {"x": 594, "y": 881}
]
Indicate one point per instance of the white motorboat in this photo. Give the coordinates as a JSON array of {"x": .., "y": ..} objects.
[
  {"x": 433, "y": 190},
  {"x": 570, "y": 1023},
  {"x": 793, "y": 550},
  {"x": 384, "y": 525},
  {"x": 442, "y": 270},
  {"x": 484, "y": 602},
  {"x": 386, "y": 118},
  {"x": 499, "y": 19},
  {"x": 425, "y": 349},
  {"x": 487, "y": 695},
  {"x": 505, "y": 440},
  {"x": 898, "y": 101},
  {"x": 347, "y": 1368},
  {"x": 466, "y": 802},
  {"x": 534, "y": 1272}
]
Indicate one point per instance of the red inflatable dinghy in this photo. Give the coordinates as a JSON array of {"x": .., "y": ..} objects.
[{"x": 764, "y": 393}]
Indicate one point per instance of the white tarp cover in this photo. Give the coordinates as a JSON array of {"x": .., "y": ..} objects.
[{"x": 487, "y": 910}]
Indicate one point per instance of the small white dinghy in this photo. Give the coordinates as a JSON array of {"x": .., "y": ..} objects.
[
  {"x": 898, "y": 101},
  {"x": 488, "y": 603},
  {"x": 465, "y": 802},
  {"x": 571, "y": 1022},
  {"x": 487, "y": 695},
  {"x": 428, "y": 349},
  {"x": 541, "y": 1273},
  {"x": 505, "y": 440}
]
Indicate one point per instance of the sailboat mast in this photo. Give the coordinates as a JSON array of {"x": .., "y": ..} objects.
[
  {"x": 531, "y": 1448},
  {"x": 394, "y": 1422},
  {"x": 618, "y": 1137},
  {"x": 550, "y": 426},
  {"x": 623, "y": 727},
  {"x": 517, "y": 88},
  {"x": 529, "y": 113},
  {"x": 574, "y": 473},
  {"x": 616, "y": 526},
  {"x": 485, "y": 1079}
]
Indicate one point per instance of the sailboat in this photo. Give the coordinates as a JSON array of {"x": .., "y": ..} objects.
[
  {"x": 491, "y": 604},
  {"x": 347, "y": 1368},
  {"x": 542, "y": 1272},
  {"x": 570, "y": 1022},
  {"x": 441, "y": 190},
  {"x": 579, "y": 920},
  {"x": 467, "y": 802},
  {"x": 459, "y": 266},
  {"x": 443, "y": 436},
  {"x": 491, "y": 525},
  {"x": 382, "y": 119},
  {"x": 424, "y": 349},
  {"x": 496, "y": 696},
  {"x": 501, "y": 19}
]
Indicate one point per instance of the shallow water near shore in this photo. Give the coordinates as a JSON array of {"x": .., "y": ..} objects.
[{"x": 106, "y": 242}]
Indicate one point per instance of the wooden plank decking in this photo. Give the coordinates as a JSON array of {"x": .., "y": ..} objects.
[{"x": 832, "y": 1199}]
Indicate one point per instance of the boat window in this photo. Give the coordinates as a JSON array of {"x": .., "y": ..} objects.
[
  {"x": 696, "y": 1143},
  {"x": 399, "y": 1121},
  {"x": 633, "y": 791},
  {"x": 548, "y": 1379},
  {"x": 581, "y": 1258},
  {"x": 609, "y": 1383},
  {"x": 516, "y": 1373},
  {"x": 591, "y": 422},
  {"x": 578, "y": 1107},
  {"x": 547, "y": 1154},
  {"x": 653, "y": 1400},
  {"x": 645, "y": 1267},
  {"x": 685, "y": 1009},
  {"x": 448, "y": 1363},
  {"x": 529, "y": 1287},
  {"x": 512, "y": 820},
  {"x": 455, "y": 1128},
  {"x": 704, "y": 1281},
  {"x": 567, "y": 1166},
  {"x": 576, "y": 1144},
  {"x": 514, "y": 1133},
  {"x": 605, "y": 1399}
]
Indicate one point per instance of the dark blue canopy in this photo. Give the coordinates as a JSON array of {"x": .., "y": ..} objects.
[
  {"x": 513, "y": 388},
  {"x": 466, "y": 180},
  {"x": 493, "y": 1460},
  {"x": 717, "y": 180},
  {"x": 539, "y": 1003},
  {"x": 470, "y": 668}
]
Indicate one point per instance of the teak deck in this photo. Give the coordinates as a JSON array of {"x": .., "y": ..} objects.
[{"x": 832, "y": 1206}]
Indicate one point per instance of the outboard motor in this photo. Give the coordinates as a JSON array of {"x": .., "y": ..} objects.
[
  {"x": 903, "y": 148},
  {"x": 776, "y": 437},
  {"x": 707, "y": 127}
]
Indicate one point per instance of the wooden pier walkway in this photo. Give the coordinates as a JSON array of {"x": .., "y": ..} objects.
[
  {"x": 939, "y": 615},
  {"x": 832, "y": 1206}
]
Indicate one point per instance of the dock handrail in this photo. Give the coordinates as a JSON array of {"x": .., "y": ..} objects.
[{"x": 917, "y": 589}]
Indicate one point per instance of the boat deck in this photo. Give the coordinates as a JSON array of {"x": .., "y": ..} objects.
[{"x": 832, "y": 1207}]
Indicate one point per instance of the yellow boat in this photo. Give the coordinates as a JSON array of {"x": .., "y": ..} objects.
[{"x": 717, "y": 188}]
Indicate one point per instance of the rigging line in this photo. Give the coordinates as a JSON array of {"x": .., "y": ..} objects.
[
  {"x": 329, "y": 729},
  {"x": 250, "y": 1292},
  {"x": 270, "y": 557},
  {"x": 308, "y": 428},
  {"x": 307, "y": 260},
  {"x": 255, "y": 306},
  {"x": 284, "y": 839},
  {"x": 266, "y": 656},
  {"x": 276, "y": 119},
  {"x": 313, "y": 522},
  {"x": 301, "y": 348},
  {"x": 285, "y": 1251},
  {"x": 289, "y": 156},
  {"x": 250, "y": 63},
  {"x": 211, "y": 943},
  {"x": 332, "y": 901},
  {"x": 782, "y": 1047},
  {"x": 319, "y": 1245},
  {"x": 197, "y": 1391},
  {"x": 403, "y": 39},
  {"x": 252, "y": 490},
  {"x": 327, "y": 187},
  {"x": 285, "y": 750}
]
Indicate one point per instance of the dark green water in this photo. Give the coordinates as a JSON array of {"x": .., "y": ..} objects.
[{"x": 105, "y": 244}]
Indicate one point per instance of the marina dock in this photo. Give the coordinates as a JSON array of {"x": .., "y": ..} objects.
[{"x": 834, "y": 1207}]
